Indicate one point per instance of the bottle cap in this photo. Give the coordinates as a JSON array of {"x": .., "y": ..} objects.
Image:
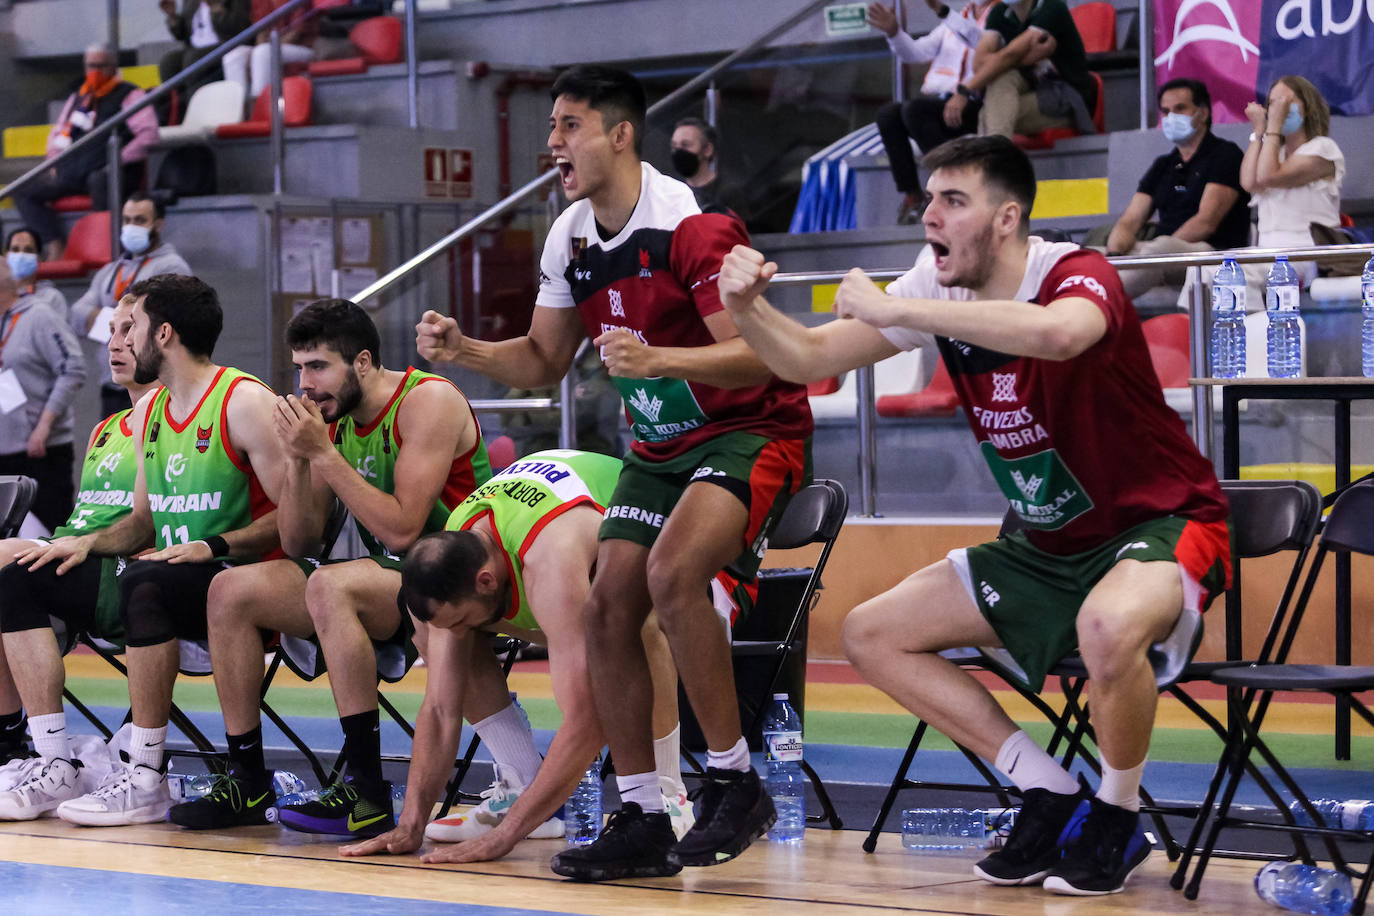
[{"x": 780, "y": 696}]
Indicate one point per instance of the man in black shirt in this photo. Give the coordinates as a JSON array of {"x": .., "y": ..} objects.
[{"x": 1195, "y": 190}]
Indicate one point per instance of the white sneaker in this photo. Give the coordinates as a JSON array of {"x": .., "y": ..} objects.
[
  {"x": 677, "y": 805},
  {"x": 47, "y": 785},
  {"x": 496, "y": 802},
  {"x": 17, "y": 770},
  {"x": 135, "y": 794}
]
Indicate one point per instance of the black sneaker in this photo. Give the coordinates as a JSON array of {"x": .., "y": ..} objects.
[
  {"x": 345, "y": 808},
  {"x": 732, "y": 811},
  {"x": 1033, "y": 847},
  {"x": 1106, "y": 852},
  {"x": 231, "y": 802},
  {"x": 632, "y": 845}
]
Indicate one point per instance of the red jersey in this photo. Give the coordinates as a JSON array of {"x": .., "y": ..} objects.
[
  {"x": 657, "y": 279},
  {"x": 1084, "y": 448}
]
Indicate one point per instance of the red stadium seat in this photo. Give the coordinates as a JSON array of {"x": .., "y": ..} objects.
[
  {"x": 1168, "y": 337},
  {"x": 88, "y": 247},
  {"x": 296, "y": 97},
  {"x": 938, "y": 399},
  {"x": 1096, "y": 23},
  {"x": 75, "y": 203},
  {"x": 378, "y": 41},
  {"x": 1046, "y": 138}
]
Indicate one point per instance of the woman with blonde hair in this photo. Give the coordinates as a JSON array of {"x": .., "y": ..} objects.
[{"x": 1292, "y": 168}]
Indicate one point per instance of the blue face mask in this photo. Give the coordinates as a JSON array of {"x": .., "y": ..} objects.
[
  {"x": 1177, "y": 127},
  {"x": 23, "y": 264},
  {"x": 1293, "y": 121},
  {"x": 134, "y": 238}
]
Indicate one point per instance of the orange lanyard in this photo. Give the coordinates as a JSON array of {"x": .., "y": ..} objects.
[
  {"x": 14, "y": 319},
  {"x": 120, "y": 285}
]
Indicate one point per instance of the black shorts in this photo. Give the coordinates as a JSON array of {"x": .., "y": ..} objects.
[{"x": 184, "y": 591}]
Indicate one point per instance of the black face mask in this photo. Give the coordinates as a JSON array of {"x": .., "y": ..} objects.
[{"x": 686, "y": 162}]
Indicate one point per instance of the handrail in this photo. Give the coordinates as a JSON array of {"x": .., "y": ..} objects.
[
  {"x": 106, "y": 127},
  {"x": 472, "y": 225}
]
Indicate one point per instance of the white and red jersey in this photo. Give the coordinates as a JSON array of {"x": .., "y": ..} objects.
[
  {"x": 1084, "y": 448},
  {"x": 656, "y": 278}
]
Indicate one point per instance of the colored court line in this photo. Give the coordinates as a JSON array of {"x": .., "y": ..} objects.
[{"x": 70, "y": 890}]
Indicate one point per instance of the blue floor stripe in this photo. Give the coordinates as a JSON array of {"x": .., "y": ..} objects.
[{"x": 75, "y": 891}]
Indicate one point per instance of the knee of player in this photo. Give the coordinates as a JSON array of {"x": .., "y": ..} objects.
[
  {"x": 671, "y": 581},
  {"x": 1108, "y": 649},
  {"x": 858, "y": 634},
  {"x": 327, "y": 596},
  {"x": 228, "y": 594}
]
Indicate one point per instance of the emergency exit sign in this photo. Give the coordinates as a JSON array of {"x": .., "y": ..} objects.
[{"x": 846, "y": 19}]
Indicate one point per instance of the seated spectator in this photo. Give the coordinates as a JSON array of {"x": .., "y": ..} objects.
[
  {"x": 1032, "y": 70},
  {"x": 694, "y": 158},
  {"x": 23, "y": 251},
  {"x": 929, "y": 118},
  {"x": 145, "y": 254},
  {"x": 1293, "y": 170},
  {"x": 201, "y": 26},
  {"x": 102, "y": 96},
  {"x": 44, "y": 370},
  {"x": 1195, "y": 190},
  {"x": 298, "y": 33}
]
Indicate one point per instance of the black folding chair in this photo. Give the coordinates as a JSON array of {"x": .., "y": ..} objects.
[
  {"x": 1250, "y": 689},
  {"x": 16, "y": 498},
  {"x": 1268, "y": 517},
  {"x": 787, "y": 596}
]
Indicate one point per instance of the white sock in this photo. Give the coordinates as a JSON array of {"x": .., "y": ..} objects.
[
  {"x": 668, "y": 757},
  {"x": 146, "y": 746},
  {"x": 642, "y": 789},
  {"x": 50, "y": 736},
  {"x": 511, "y": 743},
  {"x": 1121, "y": 787},
  {"x": 737, "y": 758},
  {"x": 1029, "y": 767}
]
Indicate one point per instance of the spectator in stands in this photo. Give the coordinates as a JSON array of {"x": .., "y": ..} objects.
[
  {"x": 298, "y": 33},
  {"x": 1031, "y": 70},
  {"x": 1195, "y": 189},
  {"x": 201, "y": 26},
  {"x": 1293, "y": 169},
  {"x": 43, "y": 372},
  {"x": 145, "y": 254},
  {"x": 930, "y": 117},
  {"x": 102, "y": 96},
  {"x": 23, "y": 251},
  {"x": 694, "y": 158}
]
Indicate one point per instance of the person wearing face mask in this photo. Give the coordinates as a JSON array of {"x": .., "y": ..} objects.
[
  {"x": 41, "y": 370},
  {"x": 101, "y": 96},
  {"x": 1293, "y": 169},
  {"x": 694, "y": 158},
  {"x": 23, "y": 251},
  {"x": 1194, "y": 191},
  {"x": 144, "y": 254}
]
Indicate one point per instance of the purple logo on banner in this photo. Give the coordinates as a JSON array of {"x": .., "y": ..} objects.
[
  {"x": 1331, "y": 42},
  {"x": 1216, "y": 41}
]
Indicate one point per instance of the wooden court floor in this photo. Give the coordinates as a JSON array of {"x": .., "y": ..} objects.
[{"x": 48, "y": 866}]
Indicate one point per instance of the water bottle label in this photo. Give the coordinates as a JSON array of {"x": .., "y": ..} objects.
[
  {"x": 785, "y": 747},
  {"x": 1228, "y": 298},
  {"x": 1282, "y": 299},
  {"x": 1352, "y": 813}
]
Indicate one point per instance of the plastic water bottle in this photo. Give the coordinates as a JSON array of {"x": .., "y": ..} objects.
[
  {"x": 782, "y": 737},
  {"x": 284, "y": 782},
  {"x": 949, "y": 829},
  {"x": 582, "y": 820},
  {"x": 184, "y": 788},
  {"x": 398, "y": 799},
  {"x": 1367, "y": 325},
  {"x": 1228, "y": 321},
  {"x": 1305, "y": 888},
  {"x": 1356, "y": 814},
  {"x": 1285, "y": 334}
]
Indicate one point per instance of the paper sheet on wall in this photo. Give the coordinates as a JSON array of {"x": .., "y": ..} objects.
[
  {"x": 357, "y": 241},
  {"x": 297, "y": 272},
  {"x": 307, "y": 247},
  {"x": 353, "y": 280}
]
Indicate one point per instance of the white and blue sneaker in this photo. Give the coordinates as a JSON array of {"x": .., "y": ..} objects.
[
  {"x": 1108, "y": 849},
  {"x": 483, "y": 818},
  {"x": 46, "y": 784},
  {"x": 130, "y": 794}
]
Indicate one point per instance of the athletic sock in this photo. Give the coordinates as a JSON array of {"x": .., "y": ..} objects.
[
  {"x": 642, "y": 789},
  {"x": 511, "y": 743},
  {"x": 146, "y": 746},
  {"x": 737, "y": 758},
  {"x": 362, "y": 749},
  {"x": 1029, "y": 767},
  {"x": 245, "y": 750},
  {"x": 1121, "y": 787},
  {"x": 668, "y": 756},
  {"x": 12, "y": 728},
  {"x": 50, "y": 736}
]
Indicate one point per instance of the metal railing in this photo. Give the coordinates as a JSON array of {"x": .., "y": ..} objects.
[{"x": 1199, "y": 313}]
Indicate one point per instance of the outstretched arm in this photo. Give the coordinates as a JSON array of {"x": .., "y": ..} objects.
[{"x": 539, "y": 358}]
